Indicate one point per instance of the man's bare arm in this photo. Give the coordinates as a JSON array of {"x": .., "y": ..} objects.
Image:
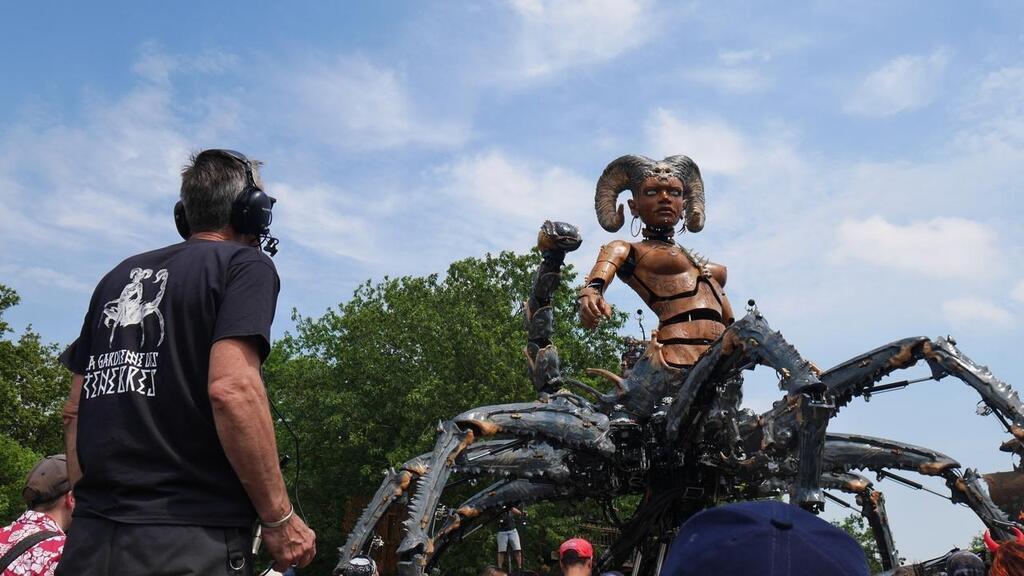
[
  {"x": 241, "y": 414},
  {"x": 70, "y": 417}
]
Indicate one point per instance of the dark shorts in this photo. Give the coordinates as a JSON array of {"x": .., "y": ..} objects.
[{"x": 97, "y": 547}]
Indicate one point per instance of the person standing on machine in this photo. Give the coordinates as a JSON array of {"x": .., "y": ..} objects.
[{"x": 170, "y": 443}]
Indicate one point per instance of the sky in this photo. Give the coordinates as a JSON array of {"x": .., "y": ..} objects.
[{"x": 862, "y": 163}]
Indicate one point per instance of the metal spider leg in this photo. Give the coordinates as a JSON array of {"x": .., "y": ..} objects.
[
  {"x": 514, "y": 458},
  {"x": 748, "y": 341},
  {"x": 844, "y": 452},
  {"x": 553, "y": 240},
  {"x": 486, "y": 505},
  {"x": 969, "y": 489},
  {"x": 856, "y": 376},
  {"x": 417, "y": 543},
  {"x": 872, "y": 507},
  {"x": 563, "y": 420},
  {"x": 751, "y": 341},
  {"x": 395, "y": 484}
]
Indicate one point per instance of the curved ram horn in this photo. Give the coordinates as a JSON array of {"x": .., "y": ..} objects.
[{"x": 621, "y": 174}]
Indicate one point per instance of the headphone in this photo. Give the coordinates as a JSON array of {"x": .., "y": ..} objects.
[{"x": 251, "y": 212}]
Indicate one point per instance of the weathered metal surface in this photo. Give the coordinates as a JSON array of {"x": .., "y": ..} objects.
[
  {"x": 676, "y": 434},
  {"x": 1007, "y": 491}
]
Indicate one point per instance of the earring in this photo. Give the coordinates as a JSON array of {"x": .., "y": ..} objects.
[{"x": 634, "y": 229}]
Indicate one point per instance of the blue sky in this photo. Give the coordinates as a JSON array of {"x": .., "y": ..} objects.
[{"x": 862, "y": 165}]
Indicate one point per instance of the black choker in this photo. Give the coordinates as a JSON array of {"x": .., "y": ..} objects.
[{"x": 661, "y": 234}]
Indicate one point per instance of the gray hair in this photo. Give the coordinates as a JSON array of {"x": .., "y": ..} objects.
[{"x": 209, "y": 185}]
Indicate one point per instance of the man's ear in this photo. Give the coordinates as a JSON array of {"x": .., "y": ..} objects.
[
  {"x": 632, "y": 206},
  {"x": 69, "y": 502}
]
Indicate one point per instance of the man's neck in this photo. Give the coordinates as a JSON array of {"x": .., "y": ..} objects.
[{"x": 226, "y": 234}]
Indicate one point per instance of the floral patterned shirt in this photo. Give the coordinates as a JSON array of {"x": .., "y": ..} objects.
[{"x": 39, "y": 560}]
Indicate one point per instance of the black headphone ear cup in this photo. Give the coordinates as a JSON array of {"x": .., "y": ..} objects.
[
  {"x": 181, "y": 221},
  {"x": 241, "y": 212},
  {"x": 251, "y": 212}
]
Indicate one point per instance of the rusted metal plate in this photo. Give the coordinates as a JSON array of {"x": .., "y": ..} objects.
[{"x": 1007, "y": 491}]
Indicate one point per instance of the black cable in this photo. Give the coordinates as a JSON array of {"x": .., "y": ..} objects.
[{"x": 298, "y": 457}]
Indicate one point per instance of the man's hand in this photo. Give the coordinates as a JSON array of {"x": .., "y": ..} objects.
[
  {"x": 593, "y": 308},
  {"x": 292, "y": 544}
]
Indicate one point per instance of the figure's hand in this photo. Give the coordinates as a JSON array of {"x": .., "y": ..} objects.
[
  {"x": 292, "y": 544},
  {"x": 593, "y": 308}
]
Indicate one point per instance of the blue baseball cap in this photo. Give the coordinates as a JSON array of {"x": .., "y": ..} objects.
[{"x": 762, "y": 538}]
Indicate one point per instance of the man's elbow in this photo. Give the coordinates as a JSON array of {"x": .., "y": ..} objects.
[{"x": 233, "y": 392}]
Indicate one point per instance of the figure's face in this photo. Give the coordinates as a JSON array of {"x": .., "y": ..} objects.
[{"x": 658, "y": 202}]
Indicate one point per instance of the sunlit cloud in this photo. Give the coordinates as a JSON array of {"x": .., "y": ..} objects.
[
  {"x": 555, "y": 36},
  {"x": 901, "y": 84}
]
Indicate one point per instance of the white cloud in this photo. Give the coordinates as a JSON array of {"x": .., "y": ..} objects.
[
  {"x": 996, "y": 111},
  {"x": 902, "y": 84},
  {"x": 323, "y": 219},
  {"x": 43, "y": 277},
  {"x": 352, "y": 104},
  {"x": 731, "y": 80},
  {"x": 716, "y": 146},
  {"x": 496, "y": 183},
  {"x": 736, "y": 72},
  {"x": 973, "y": 312},
  {"x": 1018, "y": 291},
  {"x": 494, "y": 190},
  {"x": 556, "y": 35},
  {"x": 156, "y": 65},
  {"x": 735, "y": 57},
  {"x": 937, "y": 248}
]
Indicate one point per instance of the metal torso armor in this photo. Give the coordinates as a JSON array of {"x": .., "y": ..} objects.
[{"x": 685, "y": 292}]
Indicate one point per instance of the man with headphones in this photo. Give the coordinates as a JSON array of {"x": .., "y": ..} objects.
[{"x": 170, "y": 443}]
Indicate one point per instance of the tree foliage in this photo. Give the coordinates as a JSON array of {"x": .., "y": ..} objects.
[
  {"x": 856, "y": 526},
  {"x": 366, "y": 384},
  {"x": 33, "y": 386}
]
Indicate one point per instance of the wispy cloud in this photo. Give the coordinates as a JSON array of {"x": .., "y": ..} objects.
[
  {"x": 937, "y": 248},
  {"x": 555, "y": 35},
  {"x": 352, "y": 104},
  {"x": 904, "y": 83},
  {"x": 1018, "y": 291},
  {"x": 975, "y": 312},
  {"x": 734, "y": 72},
  {"x": 40, "y": 277},
  {"x": 324, "y": 219},
  {"x": 719, "y": 147},
  {"x": 495, "y": 190}
]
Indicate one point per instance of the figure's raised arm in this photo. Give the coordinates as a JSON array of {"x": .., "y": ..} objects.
[{"x": 610, "y": 260}]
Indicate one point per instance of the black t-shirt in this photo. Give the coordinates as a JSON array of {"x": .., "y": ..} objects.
[
  {"x": 507, "y": 521},
  {"x": 147, "y": 444}
]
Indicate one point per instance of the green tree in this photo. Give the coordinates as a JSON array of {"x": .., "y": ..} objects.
[
  {"x": 366, "y": 384},
  {"x": 856, "y": 526},
  {"x": 33, "y": 386}
]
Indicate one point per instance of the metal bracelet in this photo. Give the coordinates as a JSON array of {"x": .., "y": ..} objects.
[{"x": 281, "y": 522}]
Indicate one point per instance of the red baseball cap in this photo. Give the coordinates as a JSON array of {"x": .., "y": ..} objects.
[{"x": 580, "y": 548}]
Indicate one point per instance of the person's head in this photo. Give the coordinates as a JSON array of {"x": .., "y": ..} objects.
[
  {"x": 964, "y": 563},
  {"x": 1008, "y": 557},
  {"x": 211, "y": 183},
  {"x": 663, "y": 192},
  {"x": 763, "y": 538},
  {"x": 576, "y": 556},
  {"x": 48, "y": 490},
  {"x": 491, "y": 570}
]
